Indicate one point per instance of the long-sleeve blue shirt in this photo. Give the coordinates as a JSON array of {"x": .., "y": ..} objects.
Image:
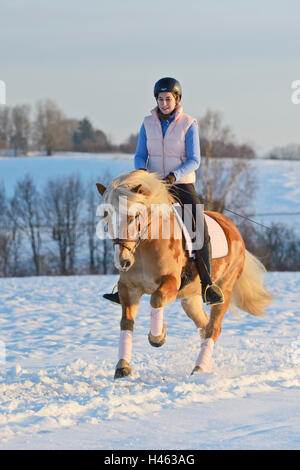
[{"x": 192, "y": 147}]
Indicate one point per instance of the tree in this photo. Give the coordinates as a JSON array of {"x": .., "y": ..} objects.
[
  {"x": 84, "y": 131},
  {"x": 88, "y": 139},
  {"x": 49, "y": 127},
  {"x": 62, "y": 206},
  {"x": 5, "y": 126},
  {"x": 21, "y": 128},
  {"x": 130, "y": 145},
  {"x": 4, "y": 249},
  {"x": 26, "y": 206},
  {"x": 224, "y": 182},
  {"x": 288, "y": 152},
  {"x": 100, "y": 259}
]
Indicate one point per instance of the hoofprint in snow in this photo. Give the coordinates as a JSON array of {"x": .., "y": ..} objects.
[{"x": 59, "y": 342}]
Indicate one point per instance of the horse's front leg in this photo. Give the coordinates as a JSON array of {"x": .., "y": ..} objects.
[
  {"x": 130, "y": 304},
  {"x": 167, "y": 292}
]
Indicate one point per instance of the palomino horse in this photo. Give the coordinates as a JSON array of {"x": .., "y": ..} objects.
[{"x": 154, "y": 265}]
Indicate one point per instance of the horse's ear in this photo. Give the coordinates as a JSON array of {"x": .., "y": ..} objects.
[
  {"x": 137, "y": 189},
  {"x": 101, "y": 188}
]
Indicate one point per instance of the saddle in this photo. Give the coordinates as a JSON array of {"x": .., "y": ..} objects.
[{"x": 218, "y": 241}]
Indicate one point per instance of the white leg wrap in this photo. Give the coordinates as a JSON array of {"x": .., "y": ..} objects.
[
  {"x": 125, "y": 345},
  {"x": 156, "y": 321},
  {"x": 204, "y": 359}
]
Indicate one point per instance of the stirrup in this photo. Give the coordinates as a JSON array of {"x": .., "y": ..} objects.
[
  {"x": 221, "y": 295},
  {"x": 113, "y": 297}
]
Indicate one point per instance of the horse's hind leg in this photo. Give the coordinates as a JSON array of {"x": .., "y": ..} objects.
[
  {"x": 193, "y": 307},
  {"x": 212, "y": 332}
]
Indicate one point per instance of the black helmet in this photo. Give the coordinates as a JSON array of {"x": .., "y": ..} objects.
[{"x": 167, "y": 84}]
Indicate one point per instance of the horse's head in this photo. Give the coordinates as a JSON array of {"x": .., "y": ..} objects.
[
  {"x": 131, "y": 198},
  {"x": 127, "y": 221}
]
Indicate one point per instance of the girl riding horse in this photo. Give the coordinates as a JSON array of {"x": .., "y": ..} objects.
[{"x": 168, "y": 145}]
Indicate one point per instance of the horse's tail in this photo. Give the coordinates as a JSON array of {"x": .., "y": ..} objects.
[{"x": 249, "y": 293}]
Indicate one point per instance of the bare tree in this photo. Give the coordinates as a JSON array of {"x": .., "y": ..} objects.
[
  {"x": 10, "y": 237},
  {"x": 49, "y": 127},
  {"x": 130, "y": 145},
  {"x": 26, "y": 207},
  {"x": 4, "y": 248},
  {"x": 21, "y": 128},
  {"x": 92, "y": 203},
  {"x": 288, "y": 152},
  {"x": 99, "y": 250},
  {"x": 224, "y": 182},
  {"x": 15, "y": 238},
  {"x": 5, "y": 126},
  {"x": 62, "y": 205}
]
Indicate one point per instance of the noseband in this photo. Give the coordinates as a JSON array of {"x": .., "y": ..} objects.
[{"x": 122, "y": 241}]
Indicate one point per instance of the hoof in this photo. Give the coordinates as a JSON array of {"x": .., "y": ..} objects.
[
  {"x": 158, "y": 341},
  {"x": 123, "y": 369},
  {"x": 196, "y": 369}
]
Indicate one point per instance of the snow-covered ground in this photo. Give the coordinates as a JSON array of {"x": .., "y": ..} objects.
[{"x": 57, "y": 389}]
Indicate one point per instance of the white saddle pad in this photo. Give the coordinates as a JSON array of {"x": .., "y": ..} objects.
[{"x": 219, "y": 245}]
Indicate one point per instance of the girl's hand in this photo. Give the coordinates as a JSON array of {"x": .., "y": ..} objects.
[{"x": 170, "y": 179}]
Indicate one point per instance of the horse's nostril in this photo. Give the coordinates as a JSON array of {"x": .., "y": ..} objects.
[{"x": 126, "y": 264}]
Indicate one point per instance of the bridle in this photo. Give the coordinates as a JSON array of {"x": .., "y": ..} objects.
[{"x": 122, "y": 241}]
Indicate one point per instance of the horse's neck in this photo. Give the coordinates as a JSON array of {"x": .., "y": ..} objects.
[{"x": 162, "y": 227}]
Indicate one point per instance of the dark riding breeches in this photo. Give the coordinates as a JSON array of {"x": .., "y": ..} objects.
[{"x": 186, "y": 193}]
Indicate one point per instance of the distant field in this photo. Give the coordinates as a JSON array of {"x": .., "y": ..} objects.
[{"x": 278, "y": 181}]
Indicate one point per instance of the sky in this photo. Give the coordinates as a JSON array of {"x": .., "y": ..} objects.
[{"x": 100, "y": 59}]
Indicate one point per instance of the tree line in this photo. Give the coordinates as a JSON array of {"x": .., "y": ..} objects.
[
  {"x": 52, "y": 231},
  {"x": 49, "y": 130}
]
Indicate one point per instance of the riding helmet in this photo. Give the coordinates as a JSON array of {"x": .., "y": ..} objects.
[{"x": 168, "y": 84}]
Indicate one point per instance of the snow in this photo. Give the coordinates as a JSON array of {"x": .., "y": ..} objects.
[
  {"x": 57, "y": 388},
  {"x": 43, "y": 168}
]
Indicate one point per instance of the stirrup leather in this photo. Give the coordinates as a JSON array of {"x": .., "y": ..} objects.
[
  {"x": 114, "y": 288},
  {"x": 220, "y": 293}
]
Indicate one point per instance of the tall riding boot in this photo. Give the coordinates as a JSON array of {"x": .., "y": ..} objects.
[{"x": 203, "y": 261}]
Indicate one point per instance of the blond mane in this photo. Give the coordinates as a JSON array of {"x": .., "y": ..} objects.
[{"x": 152, "y": 190}]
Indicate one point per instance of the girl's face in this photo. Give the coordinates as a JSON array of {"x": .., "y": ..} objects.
[{"x": 166, "y": 102}]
